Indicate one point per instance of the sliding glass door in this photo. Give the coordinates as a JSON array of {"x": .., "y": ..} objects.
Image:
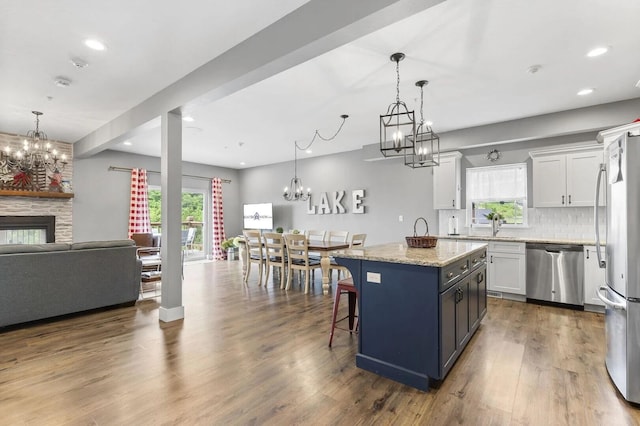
[{"x": 196, "y": 221}]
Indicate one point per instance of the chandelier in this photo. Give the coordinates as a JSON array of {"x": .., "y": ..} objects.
[
  {"x": 295, "y": 191},
  {"x": 398, "y": 125},
  {"x": 28, "y": 164},
  {"x": 426, "y": 144}
]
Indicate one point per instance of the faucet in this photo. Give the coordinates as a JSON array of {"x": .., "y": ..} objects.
[{"x": 495, "y": 224}]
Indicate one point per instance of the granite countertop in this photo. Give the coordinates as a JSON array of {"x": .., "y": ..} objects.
[
  {"x": 520, "y": 239},
  {"x": 444, "y": 253}
]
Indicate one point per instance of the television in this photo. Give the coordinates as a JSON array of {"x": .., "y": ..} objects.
[{"x": 258, "y": 216}]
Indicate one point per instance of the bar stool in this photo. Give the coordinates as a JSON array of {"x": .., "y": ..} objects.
[{"x": 345, "y": 286}]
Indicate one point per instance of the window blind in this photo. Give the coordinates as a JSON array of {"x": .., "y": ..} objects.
[{"x": 496, "y": 183}]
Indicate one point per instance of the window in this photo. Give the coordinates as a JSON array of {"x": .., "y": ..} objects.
[
  {"x": 497, "y": 189},
  {"x": 193, "y": 216}
]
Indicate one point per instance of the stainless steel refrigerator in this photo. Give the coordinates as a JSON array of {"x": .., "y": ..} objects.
[{"x": 621, "y": 291}]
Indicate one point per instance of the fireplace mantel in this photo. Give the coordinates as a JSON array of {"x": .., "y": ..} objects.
[{"x": 39, "y": 194}]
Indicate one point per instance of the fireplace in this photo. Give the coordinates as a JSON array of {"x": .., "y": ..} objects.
[{"x": 27, "y": 229}]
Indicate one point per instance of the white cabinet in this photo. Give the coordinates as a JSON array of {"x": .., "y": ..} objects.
[
  {"x": 594, "y": 276},
  {"x": 446, "y": 181},
  {"x": 566, "y": 179},
  {"x": 507, "y": 267}
]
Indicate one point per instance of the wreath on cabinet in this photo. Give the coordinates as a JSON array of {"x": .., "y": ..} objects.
[{"x": 494, "y": 155}]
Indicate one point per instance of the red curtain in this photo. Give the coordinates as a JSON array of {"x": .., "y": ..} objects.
[
  {"x": 139, "y": 220},
  {"x": 217, "y": 224}
]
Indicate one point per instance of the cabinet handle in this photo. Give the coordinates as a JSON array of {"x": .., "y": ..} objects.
[
  {"x": 474, "y": 261},
  {"x": 458, "y": 295},
  {"x": 491, "y": 261},
  {"x": 587, "y": 253},
  {"x": 453, "y": 203},
  {"x": 450, "y": 275},
  {"x": 563, "y": 200},
  {"x": 569, "y": 199},
  {"x": 483, "y": 255},
  {"x": 464, "y": 267},
  {"x": 480, "y": 277}
]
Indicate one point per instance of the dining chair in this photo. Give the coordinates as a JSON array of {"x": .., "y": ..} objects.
[
  {"x": 357, "y": 240},
  {"x": 336, "y": 237},
  {"x": 254, "y": 253},
  {"x": 315, "y": 235},
  {"x": 298, "y": 259},
  {"x": 275, "y": 256}
]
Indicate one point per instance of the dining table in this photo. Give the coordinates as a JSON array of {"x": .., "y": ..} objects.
[{"x": 325, "y": 248}]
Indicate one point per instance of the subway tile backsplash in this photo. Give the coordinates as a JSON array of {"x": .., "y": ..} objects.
[{"x": 563, "y": 223}]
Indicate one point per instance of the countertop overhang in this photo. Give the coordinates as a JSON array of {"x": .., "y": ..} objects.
[
  {"x": 443, "y": 254},
  {"x": 537, "y": 240}
]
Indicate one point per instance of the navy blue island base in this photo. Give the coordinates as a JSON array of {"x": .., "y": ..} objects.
[{"x": 414, "y": 319}]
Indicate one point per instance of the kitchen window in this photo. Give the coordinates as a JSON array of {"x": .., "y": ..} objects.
[{"x": 497, "y": 189}]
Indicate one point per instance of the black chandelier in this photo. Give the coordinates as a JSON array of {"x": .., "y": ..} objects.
[
  {"x": 295, "y": 191},
  {"x": 426, "y": 144},
  {"x": 398, "y": 125}
]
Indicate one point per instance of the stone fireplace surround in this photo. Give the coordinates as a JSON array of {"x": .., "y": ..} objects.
[{"x": 60, "y": 208}]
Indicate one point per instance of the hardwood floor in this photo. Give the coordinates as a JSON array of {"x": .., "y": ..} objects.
[{"x": 256, "y": 355}]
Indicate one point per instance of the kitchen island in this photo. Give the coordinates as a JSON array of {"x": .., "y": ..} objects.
[{"x": 418, "y": 307}]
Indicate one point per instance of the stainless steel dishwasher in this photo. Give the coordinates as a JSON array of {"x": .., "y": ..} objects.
[{"x": 555, "y": 273}]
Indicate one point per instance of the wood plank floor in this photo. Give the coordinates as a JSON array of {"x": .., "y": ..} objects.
[{"x": 256, "y": 355}]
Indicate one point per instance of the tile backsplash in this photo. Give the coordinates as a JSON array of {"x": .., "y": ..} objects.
[{"x": 563, "y": 223}]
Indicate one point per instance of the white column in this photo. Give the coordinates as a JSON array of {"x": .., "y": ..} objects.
[{"x": 171, "y": 308}]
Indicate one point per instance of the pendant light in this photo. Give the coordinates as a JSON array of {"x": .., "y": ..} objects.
[
  {"x": 398, "y": 125},
  {"x": 295, "y": 191},
  {"x": 426, "y": 144}
]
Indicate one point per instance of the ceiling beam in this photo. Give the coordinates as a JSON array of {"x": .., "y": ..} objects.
[{"x": 311, "y": 30}]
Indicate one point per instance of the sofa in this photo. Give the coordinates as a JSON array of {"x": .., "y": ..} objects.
[{"x": 39, "y": 281}]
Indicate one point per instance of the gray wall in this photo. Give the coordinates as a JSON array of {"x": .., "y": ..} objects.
[
  {"x": 101, "y": 203},
  {"x": 101, "y": 197},
  {"x": 391, "y": 189}
]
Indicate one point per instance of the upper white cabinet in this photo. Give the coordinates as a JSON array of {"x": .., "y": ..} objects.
[
  {"x": 566, "y": 178},
  {"x": 446, "y": 181}
]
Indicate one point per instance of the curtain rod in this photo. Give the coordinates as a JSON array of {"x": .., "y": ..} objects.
[{"x": 126, "y": 169}]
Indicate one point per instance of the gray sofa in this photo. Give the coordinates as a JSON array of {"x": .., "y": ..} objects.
[{"x": 40, "y": 281}]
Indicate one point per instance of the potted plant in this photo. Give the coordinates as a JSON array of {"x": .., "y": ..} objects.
[
  {"x": 231, "y": 247},
  {"x": 279, "y": 230}
]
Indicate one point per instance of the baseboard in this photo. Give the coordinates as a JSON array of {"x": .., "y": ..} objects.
[{"x": 171, "y": 314}]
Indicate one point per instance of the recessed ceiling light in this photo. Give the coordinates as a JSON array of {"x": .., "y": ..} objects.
[
  {"x": 428, "y": 123},
  {"x": 127, "y": 143},
  {"x": 585, "y": 92},
  {"x": 242, "y": 163},
  {"x": 79, "y": 63},
  {"x": 597, "y": 51},
  {"x": 309, "y": 151},
  {"x": 188, "y": 118},
  {"x": 94, "y": 44},
  {"x": 534, "y": 69},
  {"x": 62, "y": 82}
]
